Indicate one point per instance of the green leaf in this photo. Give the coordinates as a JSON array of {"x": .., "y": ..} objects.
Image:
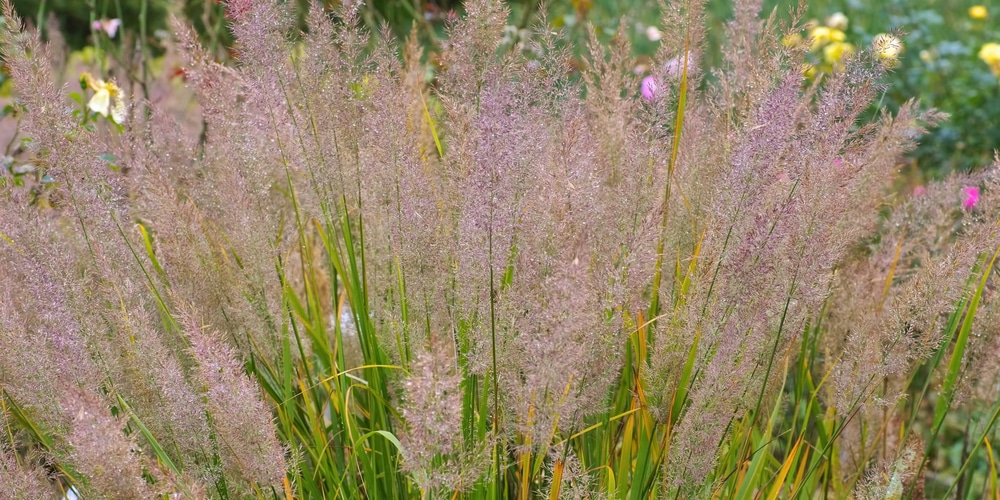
[
  {"x": 955, "y": 365},
  {"x": 158, "y": 450}
]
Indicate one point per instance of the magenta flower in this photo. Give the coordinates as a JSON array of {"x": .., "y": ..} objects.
[
  {"x": 919, "y": 191},
  {"x": 971, "y": 197},
  {"x": 648, "y": 89}
]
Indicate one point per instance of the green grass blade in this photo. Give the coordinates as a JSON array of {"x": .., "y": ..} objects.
[
  {"x": 955, "y": 365},
  {"x": 158, "y": 450}
]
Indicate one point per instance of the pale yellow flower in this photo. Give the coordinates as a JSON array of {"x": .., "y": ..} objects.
[
  {"x": 837, "y": 21},
  {"x": 990, "y": 54},
  {"x": 888, "y": 48},
  {"x": 108, "y": 99},
  {"x": 977, "y": 12},
  {"x": 822, "y": 35}
]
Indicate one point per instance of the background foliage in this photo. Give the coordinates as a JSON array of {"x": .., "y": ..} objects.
[{"x": 940, "y": 64}]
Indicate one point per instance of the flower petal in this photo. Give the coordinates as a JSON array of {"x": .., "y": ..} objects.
[
  {"x": 101, "y": 102},
  {"x": 111, "y": 27}
]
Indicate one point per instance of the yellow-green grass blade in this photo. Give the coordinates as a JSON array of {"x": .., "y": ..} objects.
[{"x": 158, "y": 450}]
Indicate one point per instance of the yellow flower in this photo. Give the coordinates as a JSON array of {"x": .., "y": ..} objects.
[
  {"x": 888, "y": 48},
  {"x": 108, "y": 99},
  {"x": 837, "y": 51},
  {"x": 837, "y": 21},
  {"x": 990, "y": 54},
  {"x": 792, "y": 40},
  {"x": 977, "y": 12},
  {"x": 822, "y": 35}
]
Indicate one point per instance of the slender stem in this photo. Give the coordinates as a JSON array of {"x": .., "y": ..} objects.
[
  {"x": 40, "y": 20},
  {"x": 493, "y": 351},
  {"x": 143, "y": 14}
]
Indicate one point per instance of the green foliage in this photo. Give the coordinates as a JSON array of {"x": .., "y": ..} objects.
[
  {"x": 74, "y": 17},
  {"x": 940, "y": 67}
]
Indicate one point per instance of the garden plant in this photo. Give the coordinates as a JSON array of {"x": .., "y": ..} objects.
[{"x": 313, "y": 262}]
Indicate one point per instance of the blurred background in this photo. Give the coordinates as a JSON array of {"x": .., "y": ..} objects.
[{"x": 943, "y": 61}]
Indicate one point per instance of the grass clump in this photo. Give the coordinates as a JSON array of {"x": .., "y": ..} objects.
[{"x": 333, "y": 278}]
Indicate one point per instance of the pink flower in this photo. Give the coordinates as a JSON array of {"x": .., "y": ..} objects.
[
  {"x": 971, "y": 197},
  {"x": 109, "y": 26},
  {"x": 675, "y": 66},
  {"x": 648, "y": 89},
  {"x": 919, "y": 191}
]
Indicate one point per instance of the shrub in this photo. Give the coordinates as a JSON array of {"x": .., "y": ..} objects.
[{"x": 341, "y": 279}]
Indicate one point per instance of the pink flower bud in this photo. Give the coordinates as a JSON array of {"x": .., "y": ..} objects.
[{"x": 919, "y": 191}]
